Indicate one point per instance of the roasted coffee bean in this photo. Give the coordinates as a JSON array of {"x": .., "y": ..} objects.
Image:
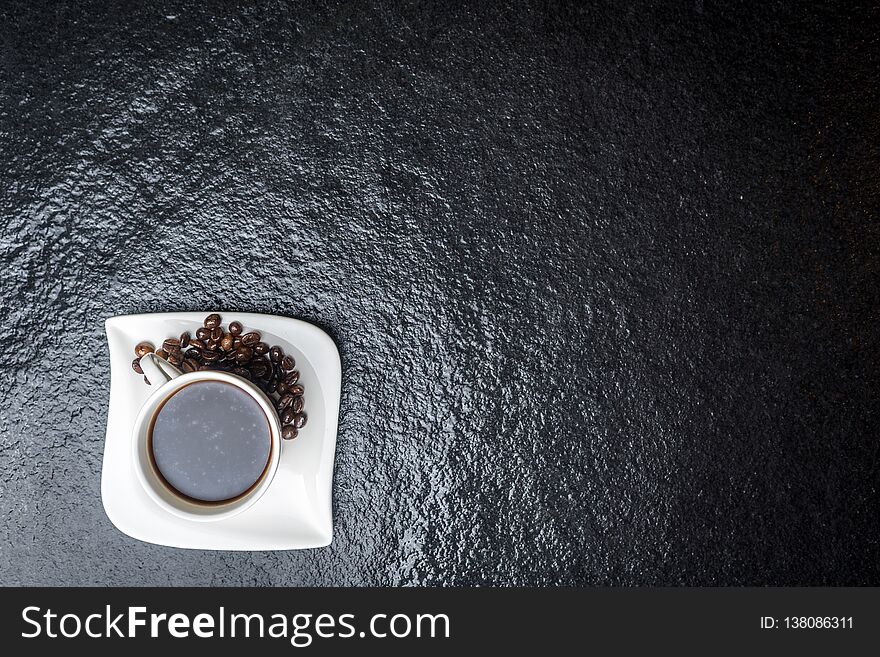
[
  {"x": 175, "y": 358},
  {"x": 142, "y": 349},
  {"x": 242, "y": 372},
  {"x": 261, "y": 348},
  {"x": 281, "y": 387},
  {"x": 212, "y": 321},
  {"x": 187, "y": 365},
  {"x": 276, "y": 371},
  {"x": 193, "y": 363},
  {"x": 212, "y": 345},
  {"x": 136, "y": 365},
  {"x": 250, "y": 339},
  {"x": 195, "y": 354},
  {"x": 289, "y": 432},
  {"x": 271, "y": 386},
  {"x": 288, "y": 363},
  {"x": 263, "y": 375},
  {"x": 210, "y": 356},
  {"x": 197, "y": 344},
  {"x": 259, "y": 367},
  {"x": 203, "y": 334},
  {"x": 243, "y": 354},
  {"x": 296, "y": 390},
  {"x": 204, "y": 367},
  {"x": 287, "y": 416},
  {"x": 276, "y": 354},
  {"x": 292, "y": 378},
  {"x": 147, "y": 381},
  {"x": 170, "y": 344},
  {"x": 216, "y": 333},
  {"x": 298, "y": 403},
  {"x": 227, "y": 342},
  {"x": 236, "y": 343},
  {"x": 285, "y": 401},
  {"x": 161, "y": 353},
  {"x": 235, "y": 328},
  {"x": 184, "y": 339},
  {"x": 299, "y": 420}
]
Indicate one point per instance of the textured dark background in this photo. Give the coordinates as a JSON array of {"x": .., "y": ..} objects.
[{"x": 604, "y": 278}]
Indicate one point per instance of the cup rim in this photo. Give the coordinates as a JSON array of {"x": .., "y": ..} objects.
[{"x": 181, "y": 507}]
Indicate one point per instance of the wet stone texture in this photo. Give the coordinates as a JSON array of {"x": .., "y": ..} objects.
[{"x": 604, "y": 279}]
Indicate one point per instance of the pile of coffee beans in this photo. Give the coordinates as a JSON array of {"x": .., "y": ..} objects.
[{"x": 242, "y": 354}]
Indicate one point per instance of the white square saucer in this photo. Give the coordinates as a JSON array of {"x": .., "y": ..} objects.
[{"x": 296, "y": 510}]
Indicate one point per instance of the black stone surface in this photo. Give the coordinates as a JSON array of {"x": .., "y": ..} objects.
[{"x": 604, "y": 278}]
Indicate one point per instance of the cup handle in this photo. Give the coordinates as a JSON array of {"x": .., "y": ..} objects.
[{"x": 158, "y": 370}]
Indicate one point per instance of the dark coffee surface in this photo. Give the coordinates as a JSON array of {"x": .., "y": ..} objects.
[
  {"x": 211, "y": 441},
  {"x": 604, "y": 277}
]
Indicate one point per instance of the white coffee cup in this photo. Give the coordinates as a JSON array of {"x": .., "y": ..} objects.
[{"x": 167, "y": 380}]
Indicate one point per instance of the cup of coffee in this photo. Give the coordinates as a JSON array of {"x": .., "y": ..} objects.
[{"x": 206, "y": 444}]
